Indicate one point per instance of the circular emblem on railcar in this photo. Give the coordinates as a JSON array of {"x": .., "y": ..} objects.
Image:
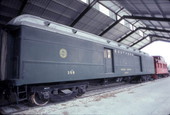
[{"x": 63, "y": 53}]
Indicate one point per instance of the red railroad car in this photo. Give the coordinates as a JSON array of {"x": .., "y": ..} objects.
[{"x": 161, "y": 69}]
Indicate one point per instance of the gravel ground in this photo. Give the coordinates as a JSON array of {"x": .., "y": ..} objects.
[{"x": 151, "y": 98}]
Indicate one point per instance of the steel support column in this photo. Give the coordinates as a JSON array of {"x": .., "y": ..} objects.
[
  {"x": 22, "y": 6},
  {"x": 139, "y": 41},
  {"x": 150, "y": 35},
  {"x": 144, "y": 28},
  {"x": 149, "y": 11},
  {"x": 161, "y": 40},
  {"x": 145, "y": 45},
  {"x": 134, "y": 17},
  {"x": 111, "y": 26},
  {"x": 147, "y": 18},
  {"x": 114, "y": 23}
]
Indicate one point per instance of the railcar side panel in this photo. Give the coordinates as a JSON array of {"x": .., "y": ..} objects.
[
  {"x": 148, "y": 65},
  {"x": 137, "y": 64},
  {"x": 52, "y": 57},
  {"x": 123, "y": 62}
]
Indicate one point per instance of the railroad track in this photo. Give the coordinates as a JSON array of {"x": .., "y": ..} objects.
[{"x": 92, "y": 91}]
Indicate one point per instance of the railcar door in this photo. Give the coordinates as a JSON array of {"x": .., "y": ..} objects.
[
  {"x": 0, "y": 52},
  {"x": 3, "y": 54},
  {"x": 138, "y": 63},
  {"x": 108, "y": 59}
]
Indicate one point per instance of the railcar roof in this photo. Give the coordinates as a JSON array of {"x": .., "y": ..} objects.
[{"x": 37, "y": 22}]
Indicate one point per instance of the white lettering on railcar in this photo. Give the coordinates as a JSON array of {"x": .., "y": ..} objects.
[{"x": 71, "y": 72}]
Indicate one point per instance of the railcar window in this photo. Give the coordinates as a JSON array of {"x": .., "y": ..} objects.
[
  {"x": 164, "y": 65},
  {"x": 109, "y": 53}
]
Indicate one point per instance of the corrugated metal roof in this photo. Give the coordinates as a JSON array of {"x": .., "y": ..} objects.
[{"x": 89, "y": 17}]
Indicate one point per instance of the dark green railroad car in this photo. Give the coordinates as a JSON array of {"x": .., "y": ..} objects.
[{"x": 45, "y": 58}]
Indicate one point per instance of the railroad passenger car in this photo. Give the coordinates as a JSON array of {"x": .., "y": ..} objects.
[
  {"x": 42, "y": 60},
  {"x": 161, "y": 69}
]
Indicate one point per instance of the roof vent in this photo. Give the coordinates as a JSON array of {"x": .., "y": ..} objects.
[
  {"x": 74, "y": 31},
  {"x": 108, "y": 41},
  {"x": 46, "y": 23}
]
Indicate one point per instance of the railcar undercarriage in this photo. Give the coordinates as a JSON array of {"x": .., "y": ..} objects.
[{"x": 41, "y": 94}]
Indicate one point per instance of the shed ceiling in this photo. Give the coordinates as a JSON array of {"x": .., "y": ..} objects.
[{"x": 135, "y": 23}]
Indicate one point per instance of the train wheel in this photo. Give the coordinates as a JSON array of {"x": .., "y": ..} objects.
[
  {"x": 38, "y": 99},
  {"x": 81, "y": 90},
  {"x": 140, "y": 80}
]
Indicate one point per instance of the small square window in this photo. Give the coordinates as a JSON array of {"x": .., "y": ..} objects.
[{"x": 109, "y": 53}]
